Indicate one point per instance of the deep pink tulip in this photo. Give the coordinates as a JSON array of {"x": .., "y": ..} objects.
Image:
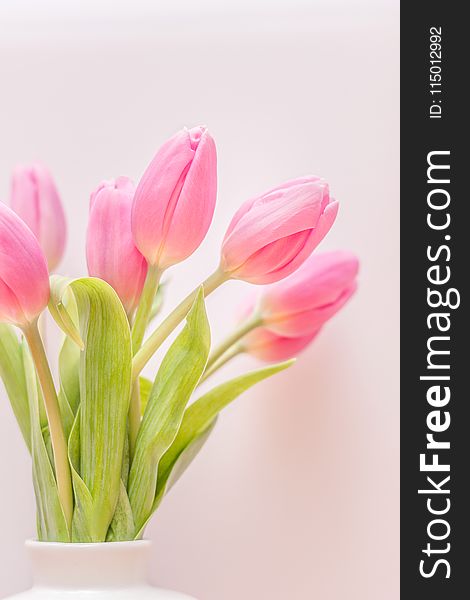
[
  {"x": 304, "y": 301},
  {"x": 271, "y": 235},
  {"x": 110, "y": 249},
  {"x": 24, "y": 278},
  {"x": 35, "y": 199},
  {"x": 270, "y": 347},
  {"x": 175, "y": 199}
]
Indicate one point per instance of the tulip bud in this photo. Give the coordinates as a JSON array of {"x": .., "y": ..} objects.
[
  {"x": 110, "y": 249},
  {"x": 175, "y": 199},
  {"x": 35, "y": 199},
  {"x": 300, "y": 304},
  {"x": 270, "y": 347},
  {"x": 24, "y": 279},
  {"x": 271, "y": 235}
]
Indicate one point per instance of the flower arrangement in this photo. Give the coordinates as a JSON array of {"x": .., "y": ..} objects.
[{"x": 107, "y": 443}]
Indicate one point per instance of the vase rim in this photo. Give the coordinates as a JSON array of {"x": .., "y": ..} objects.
[
  {"x": 91, "y": 565},
  {"x": 35, "y": 543}
]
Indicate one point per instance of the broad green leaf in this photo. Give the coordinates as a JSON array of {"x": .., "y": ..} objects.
[
  {"x": 51, "y": 522},
  {"x": 66, "y": 413},
  {"x": 69, "y": 373},
  {"x": 122, "y": 526},
  {"x": 187, "y": 456},
  {"x": 81, "y": 521},
  {"x": 69, "y": 377},
  {"x": 182, "y": 462},
  {"x": 145, "y": 386},
  {"x": 126, "y": 460},
  {"x": 46, "y": 436},
  {"x": 12, "y": 373},
  {"x": 105, "y": 380},
  {"x": 59, "y": 309},
  {"x": 176, "y": 379},
  {"x": 199, "y": 417},
  {"x": 198, "y": 422}
]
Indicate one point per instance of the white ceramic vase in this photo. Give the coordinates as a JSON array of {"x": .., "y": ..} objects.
[{"x": 111, "y": 571}]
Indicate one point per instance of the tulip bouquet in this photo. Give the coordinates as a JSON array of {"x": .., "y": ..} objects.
[{"x": 107, "y": 443}]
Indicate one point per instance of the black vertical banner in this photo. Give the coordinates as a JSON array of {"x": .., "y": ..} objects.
[{"x": 435, "y": 331}]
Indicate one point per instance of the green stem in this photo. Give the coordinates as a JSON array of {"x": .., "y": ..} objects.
[
  {"x": 56, "y": 430},
  {"x": 172, "y": 321},
  {"x": 144, "y": 309},
  {"x": 139, "y": 326},
  {"x": 224, "y": 359},
  {"x": 251, "y": 323},
  {"x": 42, "y": 326}
]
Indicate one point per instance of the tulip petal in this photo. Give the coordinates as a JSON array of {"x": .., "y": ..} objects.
[
  {"x": 175, "y": 199},
  {"x": 265, "y": 345},
  {"x": 194, "y": 210},
  {"x": 301, "y": 303},
  {"x": 308, "y": 321},
  {"x": 111, "y": 252},
  {"x": 318, "y": 282},
  {"x": 296, "y": 211},
  {"x": 270, "y": 236},
  {"x": 24, "y": 279},
  {"x": 34, "y": 197},
  {"x": 286, "y": 253}
]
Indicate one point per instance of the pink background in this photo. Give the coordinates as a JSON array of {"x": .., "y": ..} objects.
[{"x": 296, "y": 494}]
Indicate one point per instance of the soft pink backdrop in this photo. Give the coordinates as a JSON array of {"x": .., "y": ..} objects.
[{"x": 296, "y": 494}]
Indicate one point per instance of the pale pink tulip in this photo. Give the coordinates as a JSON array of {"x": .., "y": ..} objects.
[
  {"x": 270, "y": 347},
  {"x": 175, "y": 199},
  {"x": 111, "y": 252},
  {"x": 304, "y": 301},
  {"x": 24, "y": 278},
  {"x": 271, "y": 235},
  {"x": 35, "y": 199}
]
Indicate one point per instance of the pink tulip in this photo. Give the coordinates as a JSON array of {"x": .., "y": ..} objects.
[
  {"x": 175, "y": 199},
  {"x": 24, "y": 279},
  {"x": 271, "y": 235},
  {"x": 35, "y": 199},
  {"x": 304, "y": 301},
  {"x": 110, "y": 249},
  {"x": 270, "y": 347}
]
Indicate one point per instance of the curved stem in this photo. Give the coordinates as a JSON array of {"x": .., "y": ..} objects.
[
  {"x": 224, "y": 359},
  {"x": 142, "y": 318},
  {"x": 59, "y": 442},
  {"x": 251, "y": 323},
  {"x": 144, "y": 309},
  {"x": 172, "y": 321},
  {"x": 42, "y": 326}
]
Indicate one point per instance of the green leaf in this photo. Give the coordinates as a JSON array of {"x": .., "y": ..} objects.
[
  {"x": 198, "y": 422},
  {"x": 51, "y": 522},
  {"x": 186, "y": 457},
  {"x": 181, "y": 464},
  {"x": 145, "y": 386},
  {"x": 61, "y": 312},
  {"x": 69, "y": 377},
  {"x": 176, "y": 379},
  {"x": 66, "y": 413},
  {"x": 12, "y": 373},
  {"x": 122, "y": 526},
  {"x": 105, "y": 383},
  {"x": 81, "y": 521},
  {"x": 199, "y": 417},
  {"x": 69, "y": 373}
]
